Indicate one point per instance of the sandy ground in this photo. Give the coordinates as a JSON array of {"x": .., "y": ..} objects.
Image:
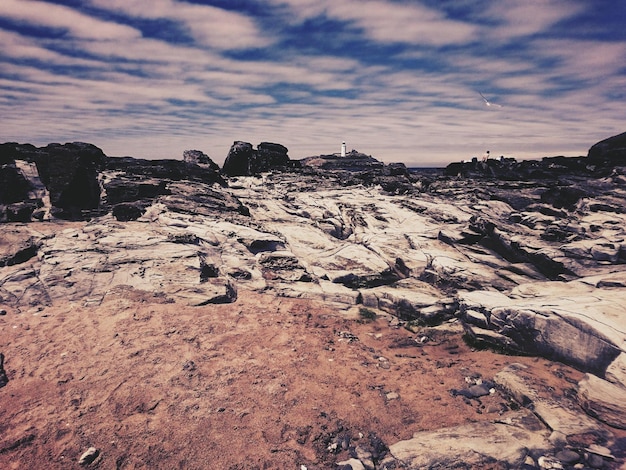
[{"x": 265, "y": 382}]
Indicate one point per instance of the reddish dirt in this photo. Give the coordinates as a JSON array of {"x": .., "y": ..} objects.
[{"x": 265, "y": 382}]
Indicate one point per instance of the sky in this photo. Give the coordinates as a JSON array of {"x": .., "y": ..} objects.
[{"x": 423, "y": 82}]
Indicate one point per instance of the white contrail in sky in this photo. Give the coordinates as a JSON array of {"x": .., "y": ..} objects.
[{"x": 489, "y": 103}]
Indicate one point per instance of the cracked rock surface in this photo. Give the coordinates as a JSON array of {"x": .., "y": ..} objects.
[{"x": 329, "y": 318}]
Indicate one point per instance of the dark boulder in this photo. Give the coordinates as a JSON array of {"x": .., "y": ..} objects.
[
  {"x": 125, "y": 212},
  {"x": 20, "y": 211},
  {"x": 244, "y": 160},
  {"x": 238, "y": 160},
  {"x": 70, "y": 172},
  {"x": 563, "y": 197},
  {"x": 14, "y": 187},
  {"x": 609, "y": 152},
  {"x": 269, "y": 157}
]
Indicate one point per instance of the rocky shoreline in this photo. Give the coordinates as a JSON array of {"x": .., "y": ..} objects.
[{"x": 524, "y": 258}]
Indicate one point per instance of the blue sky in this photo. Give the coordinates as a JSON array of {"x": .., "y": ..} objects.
[{"x": 397, "y": 79}]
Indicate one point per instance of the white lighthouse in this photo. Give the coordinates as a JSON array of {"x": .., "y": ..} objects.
[{"x": 343, "y": 149}]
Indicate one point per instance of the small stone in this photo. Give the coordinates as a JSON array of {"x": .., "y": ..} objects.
[
  {"x": 549, "y": 463},
  {"x": 568, "y": 456},
  {"x": 595, "y": 461},
  {"x": 89, "y": 456},
  {"x": 392, "y": 396},
  {"x": 478, "y": 390}
]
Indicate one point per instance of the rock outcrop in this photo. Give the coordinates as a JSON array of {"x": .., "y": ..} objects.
[
  {"x": 197, "y": 157},
  {"x": 529, "y": 265}
]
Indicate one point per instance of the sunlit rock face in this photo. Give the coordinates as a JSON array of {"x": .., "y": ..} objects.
[{"x": 525, "y": 265}]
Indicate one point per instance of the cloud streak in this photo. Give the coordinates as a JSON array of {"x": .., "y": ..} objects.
[{"x": 396, "y": 79}]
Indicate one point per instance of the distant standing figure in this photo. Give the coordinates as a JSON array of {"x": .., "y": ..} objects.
[
  {"x": 486, "y": 156},
  {"x": 343, "y": 149}
]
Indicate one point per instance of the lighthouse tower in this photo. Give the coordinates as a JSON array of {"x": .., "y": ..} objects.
[{"x": 343, "y": 149}]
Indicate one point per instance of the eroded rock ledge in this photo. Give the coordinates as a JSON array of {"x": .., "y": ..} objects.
[{"x": 529, "y": 265}]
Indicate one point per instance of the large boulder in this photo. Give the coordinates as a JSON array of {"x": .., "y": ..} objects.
[
  {"x": 14, "y": 187},
  {"x": 239, "y": 159},
  {"x": 70, "y": 172},
  {"x": 270, "y": 156},
  {"x": 243, "y": 160},
  {"x": 611, "y": 151}
]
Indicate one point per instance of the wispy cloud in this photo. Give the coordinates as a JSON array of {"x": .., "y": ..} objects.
[
  {"x": 210, "y": 26},
  {"x": 386, "y": 21},
  {"x": 72, "y": 22},
  {"x": 511, "y": 19},
  {"x": 397, "y": 79}
]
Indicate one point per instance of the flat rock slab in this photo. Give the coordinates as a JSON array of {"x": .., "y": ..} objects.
[
  {"x": 603, "y": 400},
  {"x": 469, "y": 446}
]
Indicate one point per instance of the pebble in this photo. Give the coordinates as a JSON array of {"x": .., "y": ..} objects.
[
  {"x": 392, "y": 396},
  {"x": 548, "y": 462},
  {"x": 595, "y": 461},
  {"x": 568, "y": 456},
  {"x": 479, "y": 390},
  {"x": 89, "y": 456}
]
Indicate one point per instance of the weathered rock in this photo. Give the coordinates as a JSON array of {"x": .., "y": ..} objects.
[
  {"x": 540, "y": 325},
  {"x": 14, "y": 187},
  {"x": 270, "y": 156},
  {"x": 243, "y": 160},
  {"x": 197, "y": 157},
  {"x": 559, "y": 416},
  {"x": 353, "y": 161},
  {"x": 470, "y": 446},
  {"x": 127, "y": 211},
  {"x": 603, "y": 400},
  {"x": 70, "y": 172},
  {"x": 609, "y": 152},
  {"x": 563, "y": 197},
  {"x": 17, "y": 245},
  {"x": 89, "y": 456},
  {"x": 239, "y": 160}
]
